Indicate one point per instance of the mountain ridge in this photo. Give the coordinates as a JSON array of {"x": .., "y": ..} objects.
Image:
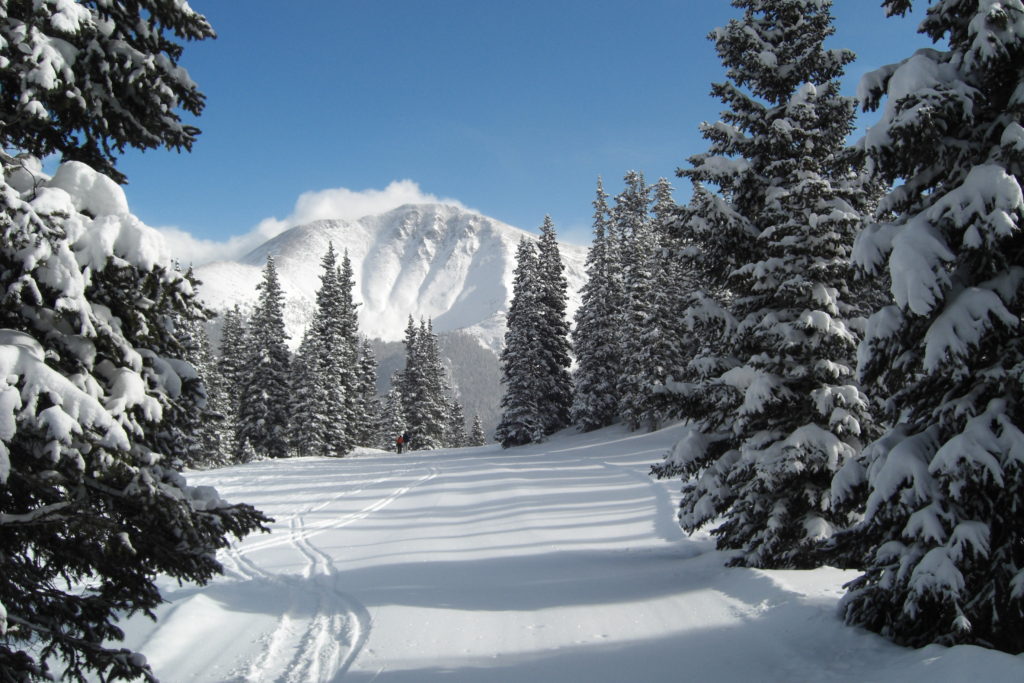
[{"x": 434, "y": 261}]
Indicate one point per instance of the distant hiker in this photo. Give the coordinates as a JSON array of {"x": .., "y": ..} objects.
[
  {"x": 406, "y": 439},
  {"x": 399, "y": 441}
]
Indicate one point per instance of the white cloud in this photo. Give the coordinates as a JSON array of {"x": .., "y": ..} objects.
[{"x": 335, "y": 203}]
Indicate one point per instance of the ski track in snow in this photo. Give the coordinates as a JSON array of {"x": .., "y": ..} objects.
[
  {"x": 322, "y": 631},
  {"x": 340, "y": 625},
  {"x": 553, "y": 562}
]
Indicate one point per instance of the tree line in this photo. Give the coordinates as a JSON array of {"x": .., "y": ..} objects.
[{"x": 322, "y": 400}]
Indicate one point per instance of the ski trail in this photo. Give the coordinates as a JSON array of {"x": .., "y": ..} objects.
[
  {"x": 324, "y": 647},
  {"x": 330, "y": 524}
]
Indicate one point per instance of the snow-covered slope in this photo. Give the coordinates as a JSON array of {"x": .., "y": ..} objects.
[
  {"x": 553, "y": 562},
  {"x": 428, "y": 260}
]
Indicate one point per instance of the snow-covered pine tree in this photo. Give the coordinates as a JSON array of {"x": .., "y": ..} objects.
[
  {"x": 323, "y": 376},
  {"x": 79, "y": 101},
  {"x": 214, "y": 445},
  {"x": 455, "y": 434},
  {"x": 307, "y": 400},
  {"x": 429, "y": 432},
  {"x": 231, "y": 369},
  {"x": 168, "y": 347},
  {"x": 659, "y": 356},
  {"x": 793, "y": 414},
  {"x": 705, "y": 328},
  {"x": 409, "y": 380},
  {"x": 476, "y": 433},
  {"x": 423, "y": 388},
  {"x": 943, "y": 532},
  {"x": 556, "y": 403},
  {"x": 368, "y": 407},
  {"x": 263, "y": 403},
  {"x": 91, "y": 508},
  {"x": 345, "y": 349},
  {"x": 392, "y": 419},
  {"x": 636, "y": 243},
  {"x": 595, "y": 337},
  {"x": 521, "y": 365}
]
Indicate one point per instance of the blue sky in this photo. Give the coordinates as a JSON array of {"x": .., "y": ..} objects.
[{"x": 513, "y": 109}]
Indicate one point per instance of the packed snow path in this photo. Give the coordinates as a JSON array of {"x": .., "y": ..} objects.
[{"x": 557, "y": 562}]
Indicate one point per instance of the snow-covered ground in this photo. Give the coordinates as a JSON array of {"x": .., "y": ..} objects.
[{"x": 557, "y": 562}]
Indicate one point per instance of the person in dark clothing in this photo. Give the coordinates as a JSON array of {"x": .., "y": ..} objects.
[{"x": 407, "y": 440}]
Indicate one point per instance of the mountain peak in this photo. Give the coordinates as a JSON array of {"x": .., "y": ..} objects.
[{"x": 437, "y": 261}]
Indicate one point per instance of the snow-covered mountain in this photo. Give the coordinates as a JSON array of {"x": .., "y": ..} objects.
[{"x": 425, "y": 260}]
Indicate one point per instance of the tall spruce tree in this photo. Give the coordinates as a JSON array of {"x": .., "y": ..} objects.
[
  {"x": 263, "y": 403},
  {"x": 942, "y": 531},
  {"x": 92, "y": 507},
  {"x": 595, "y": 337},
  {"x": 658, "y": 356},
  {"x": 344, "y": 367},
  {"x": 306, "y": 413},
  {"x": 213, "y": 443},
  {"x": 556, "y": 402},
  {"x": 522, "y": 368},
  {"x": 791, "y": 414},
  {"x": 368, "y": 405},
  {"x": 636, "y": 242},
  {"x": 231, "y": 369},
  {"x": 424, "y": 388},
  {"x": 323, "y": 377}
]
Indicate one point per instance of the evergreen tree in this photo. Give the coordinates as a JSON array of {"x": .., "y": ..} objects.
[
  {"x": 90, "y": 99},
  {"x": 476, "y": 434},
  {"x": 455, "y": 434},
  {"x": 942, "y": 530},
  {"x": 791, "y": 414},
  {"x": 556, "y": 403},
  {"x": 263, "y": 406},
  {"x": 636, "y": 243},
  {"x": 434, "y": 410},
  {"x": 97, "y": 399},
  {"x": 595, "y": 338},
  {"x": 213, "y": 444},
  {"x": 424, "y": 389},
  {"x": 306, "y": 411},
  {"x": 231, "y": 370},
  {"x": 344, "y": 349},
  {"x": 368, "y": 407},
  {"x": 522, "y": 370},
  {"x": 392, "y": 420},
  {"x": 658, "y": 358},
  {"x": 323, "y": 379},
  {"x": 96, "y": 414}
]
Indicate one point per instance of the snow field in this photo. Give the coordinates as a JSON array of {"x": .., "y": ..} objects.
[{"x": 559, "y": 561}]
